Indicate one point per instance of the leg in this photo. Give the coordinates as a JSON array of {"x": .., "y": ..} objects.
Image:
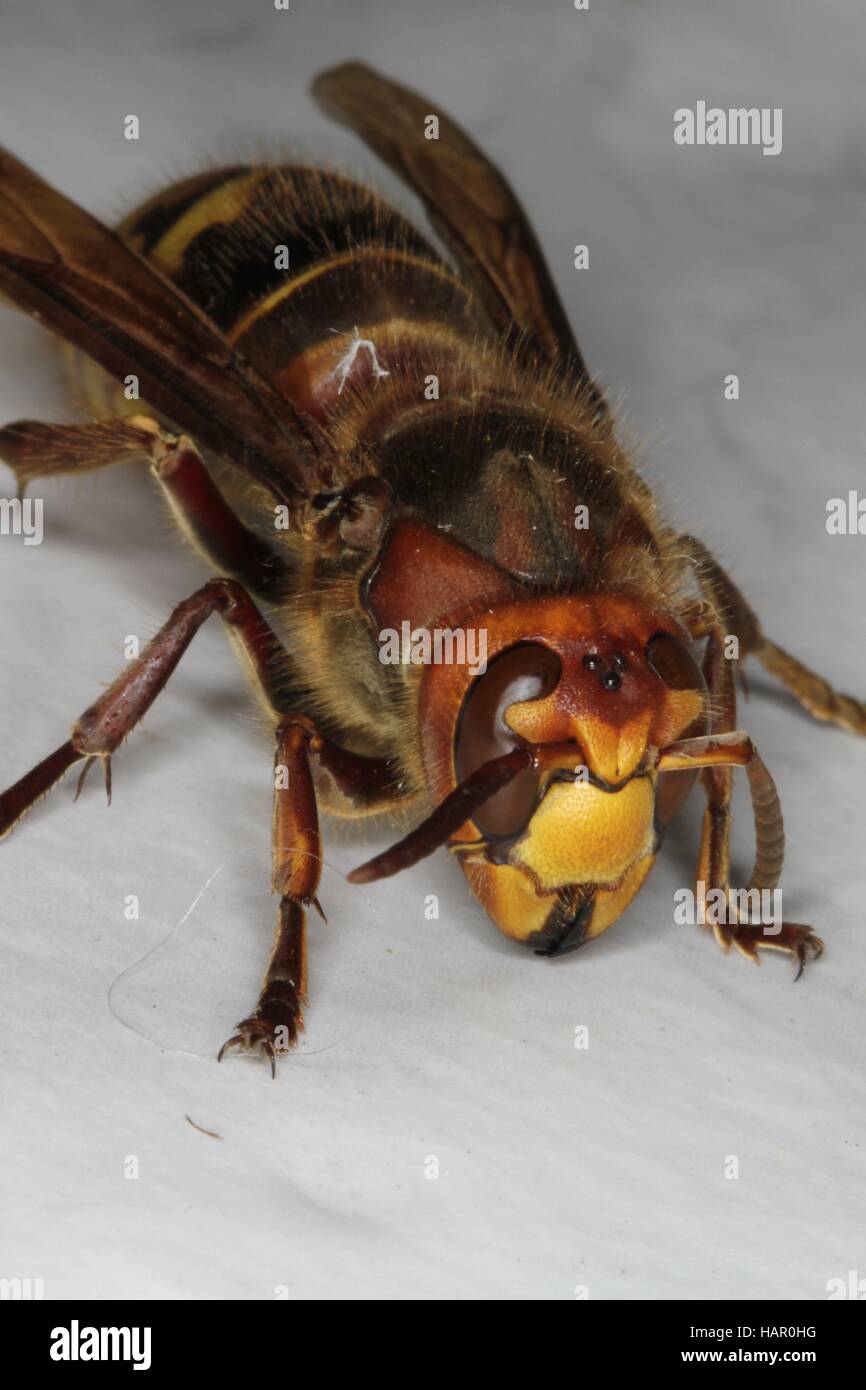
[
  {"x": 367, "y": 784},
  {"x": 277, "y": 1018},
  {"x": 106, "y": 723},
  {"x": 736, "y": 617},
  {"x": 207, "y": 519},
  {"x": 717, "y": 755},
  {"x": 35, "y": 450},
  {"x": 814, "y": 693}
]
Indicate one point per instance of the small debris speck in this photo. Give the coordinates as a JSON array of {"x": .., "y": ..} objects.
[{"x": 209, "y": 1132}]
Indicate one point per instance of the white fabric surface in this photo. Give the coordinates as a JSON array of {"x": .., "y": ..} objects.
[{"x": 558, "y": 1167}]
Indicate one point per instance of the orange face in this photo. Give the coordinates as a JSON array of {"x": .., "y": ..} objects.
[{"x": 555, "y": 857}]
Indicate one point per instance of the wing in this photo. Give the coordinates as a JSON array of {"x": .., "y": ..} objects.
[
  {"x": 468, "y": 201},
  {"x": 85, "y": 283}
]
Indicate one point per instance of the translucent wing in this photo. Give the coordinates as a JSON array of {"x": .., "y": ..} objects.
[
  {"x": 86, "y": 284},
  {"x": 469, "y": 203}
]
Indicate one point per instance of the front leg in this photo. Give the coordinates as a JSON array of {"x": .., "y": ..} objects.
[
  {"x": 362, "y": 785},
  {"x": 277, "y": 1018},
  {"x": 717, "y": 755},
  {"x": 366, "y": 785}
]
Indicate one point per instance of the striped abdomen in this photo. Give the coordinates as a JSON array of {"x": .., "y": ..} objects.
[{"x": 309, "y": 274}]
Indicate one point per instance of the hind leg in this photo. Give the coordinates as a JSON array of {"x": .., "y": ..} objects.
[
  {"x": 737, "y": 619},
  {"x": 36, "y": 450}
]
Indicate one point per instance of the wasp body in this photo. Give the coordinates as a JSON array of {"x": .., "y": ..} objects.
[{"x": 370, "y": 442}]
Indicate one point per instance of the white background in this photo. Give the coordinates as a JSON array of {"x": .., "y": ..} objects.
[{"x": 558, "y": 1167}]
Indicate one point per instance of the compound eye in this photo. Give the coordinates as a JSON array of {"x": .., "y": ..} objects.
[
  {"x": 525, "y": 672},
  {"x": 674, "y": 662}
]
